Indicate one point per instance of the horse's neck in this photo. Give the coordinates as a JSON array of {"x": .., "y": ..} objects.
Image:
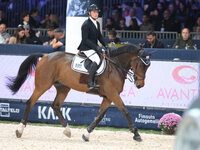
[{"x": 124, "y": 60}]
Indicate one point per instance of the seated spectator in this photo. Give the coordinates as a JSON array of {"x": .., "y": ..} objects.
[
  {"x": 152, "y": 41},
  {"x": 132, "y": 15},
  {"x": 184, "y": 42},
  {"x": 4, "y": 35},
  {"x": 2, "y": 20},
  {"x": 59, "y": 38},
  {"x": 25, "y": 19},
  {"x": 122, "y": 24},
  {"x": 45, "y": 22},
  {"x": 168, "y": 24},
  {"x": 34, "y": 18},
  {"x": 197, "y": 35},
  {"x": 18, "y": 37},
  {"x": 30, "y": 36},
  {"x": 109, "y": 24},
  {"x": 133, "y": 25},
  {"x": 50, "y": 35},
  {"x": 112, "y": 36},
  {"x": 146, "y": 25}
]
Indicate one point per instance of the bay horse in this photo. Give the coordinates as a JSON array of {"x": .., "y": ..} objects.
[{"x": 55, "y": 69}]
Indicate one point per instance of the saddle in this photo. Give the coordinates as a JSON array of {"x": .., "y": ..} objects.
[{"x": 81, "y": 63}]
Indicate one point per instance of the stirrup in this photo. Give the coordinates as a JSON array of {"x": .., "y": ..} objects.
[{"x": 93, "y": 85}]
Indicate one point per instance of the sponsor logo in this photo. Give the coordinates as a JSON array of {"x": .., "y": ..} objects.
[
  {"x": 104, "y": 120},
  {"x": 47, "y": 113},
  {"x": 185, "y": 74},
  {"x": 5, "y": 110},
  {"x": 146, "y": 119}
]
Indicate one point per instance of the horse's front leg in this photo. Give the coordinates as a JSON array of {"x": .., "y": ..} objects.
[
  {"x": 120, "y": 105},
  {"x": 103, "y": 108}
]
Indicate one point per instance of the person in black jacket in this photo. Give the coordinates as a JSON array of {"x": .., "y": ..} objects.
[
  {"x": 90, "y": 35},
  {"x": 152, "y": 41}
]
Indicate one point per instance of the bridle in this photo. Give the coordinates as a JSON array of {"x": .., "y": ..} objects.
[{"x": 131, "y": 75}]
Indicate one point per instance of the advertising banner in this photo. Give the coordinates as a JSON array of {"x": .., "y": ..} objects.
[
  {"x": 167, "y": 85},
  {"x": 81, "y": 115}
]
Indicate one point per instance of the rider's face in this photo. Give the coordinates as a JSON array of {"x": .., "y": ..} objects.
[{"x": 94, "y": 14}]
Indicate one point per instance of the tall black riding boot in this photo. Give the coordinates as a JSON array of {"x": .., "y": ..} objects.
[{"x": 91, "y": 79}]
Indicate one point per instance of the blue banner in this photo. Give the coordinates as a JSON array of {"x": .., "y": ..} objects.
[{"x": 81, "y": 115}]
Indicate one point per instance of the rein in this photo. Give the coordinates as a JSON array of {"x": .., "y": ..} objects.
[{"x": 131, "y": 75}]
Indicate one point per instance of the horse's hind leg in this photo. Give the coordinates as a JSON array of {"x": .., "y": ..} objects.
[
  {"x": 120, "y": 105},
  {"x": 29, "y": 105},
  {"x": 103, "y": 108},
  {"x": 62, "y": 92}
]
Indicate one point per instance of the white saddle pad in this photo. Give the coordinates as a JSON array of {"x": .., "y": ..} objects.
[{"x": 78, "y": 65}]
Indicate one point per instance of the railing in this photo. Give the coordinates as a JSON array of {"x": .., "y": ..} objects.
[
  {"x": 142, "y": 34},
  {"x": 125, "y": 34}
]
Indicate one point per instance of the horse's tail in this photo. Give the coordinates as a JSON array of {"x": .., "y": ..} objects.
[{"x": 26, "y": 67}]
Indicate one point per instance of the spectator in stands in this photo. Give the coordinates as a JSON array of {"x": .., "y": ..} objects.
[
  {"x": 132, "y": 15},
  {"x": 59, "y": 38},
  {"x": 184, "y": 42},
  {"x": 112, "y": 36},
  {"x": 149, "y": 6},
  {"x": 34, "y": 18},
  {"x": 50, "y": 35},
  {"x": 197, "y": 35},
  {"x": 45, "y": 22},
  {"x": 122, "y": 24},
  {"x": 172, "y": 10},
  {"x": 152, "y": 41},
  {"x": 18, "y": 37},
  {"x": 116, "y": 19},
  {"x": 197, "y": 23},
  {"x": 53, "y": 20},
  {"x": 25, "y": 19},
  {"x": 2, "y": 20},
  {"x": 109, "y": 24},
  {"x": 3, "y": 34},
  {"x": 139, "y": 11},
  {"x": 146, "y": 25},
  {"x": 156, "y": 19},
  {"x": 168, "y": 24},
  {"x": 30, "y": 36},
  {"x": 133, "y": 25},
  {"x": 181, "y": 14}
]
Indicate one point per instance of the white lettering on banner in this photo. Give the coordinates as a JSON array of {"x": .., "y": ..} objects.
[
  {"x": 146, "y": 119},
  {"x": 47, "y": 113},
  {"x": 5, "y": 110},
  {"x": 104, "y": 120}
]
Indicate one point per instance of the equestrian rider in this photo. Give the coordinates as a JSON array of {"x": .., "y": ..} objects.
[{"x": 90, "y": 35}]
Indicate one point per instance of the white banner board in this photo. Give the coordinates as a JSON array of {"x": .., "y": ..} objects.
[{"x": 168, "y": 85}]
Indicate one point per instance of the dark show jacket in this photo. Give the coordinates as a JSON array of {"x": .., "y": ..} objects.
[
  {"x": 181, "y": 44},
  {"x": 90, "y": 36}
]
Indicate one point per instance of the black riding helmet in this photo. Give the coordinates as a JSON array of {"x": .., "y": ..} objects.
[{"x": 93, "y": 7}]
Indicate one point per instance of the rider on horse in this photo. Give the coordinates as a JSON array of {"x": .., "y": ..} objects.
[{"x": 90, "y": 35}]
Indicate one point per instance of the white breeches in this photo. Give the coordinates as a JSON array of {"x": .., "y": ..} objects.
[{"x": 93, "y": 56}]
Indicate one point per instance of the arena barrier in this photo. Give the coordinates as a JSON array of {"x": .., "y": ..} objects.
[{"x": 172, "y": 82}]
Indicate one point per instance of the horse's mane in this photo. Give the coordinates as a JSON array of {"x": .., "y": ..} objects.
[{"x": 128, "y": 48}]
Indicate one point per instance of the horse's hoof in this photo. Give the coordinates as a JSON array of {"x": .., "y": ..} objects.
[
  {"x": 18, "y": 134},
  {"x": 85, "y": 138},
  {"x": 137, "y": 138},
  {"x": 67, "y": 133}
]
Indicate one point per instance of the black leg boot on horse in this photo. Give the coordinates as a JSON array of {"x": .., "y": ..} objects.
[{"x": 91, "y": 80}]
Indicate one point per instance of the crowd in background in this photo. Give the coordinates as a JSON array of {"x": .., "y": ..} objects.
[
  {"x": 157, "y": 15},
  {"x": 151, "y": 15}
]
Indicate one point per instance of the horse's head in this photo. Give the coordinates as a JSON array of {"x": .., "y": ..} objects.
[{"x": 139, "y": 66}]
